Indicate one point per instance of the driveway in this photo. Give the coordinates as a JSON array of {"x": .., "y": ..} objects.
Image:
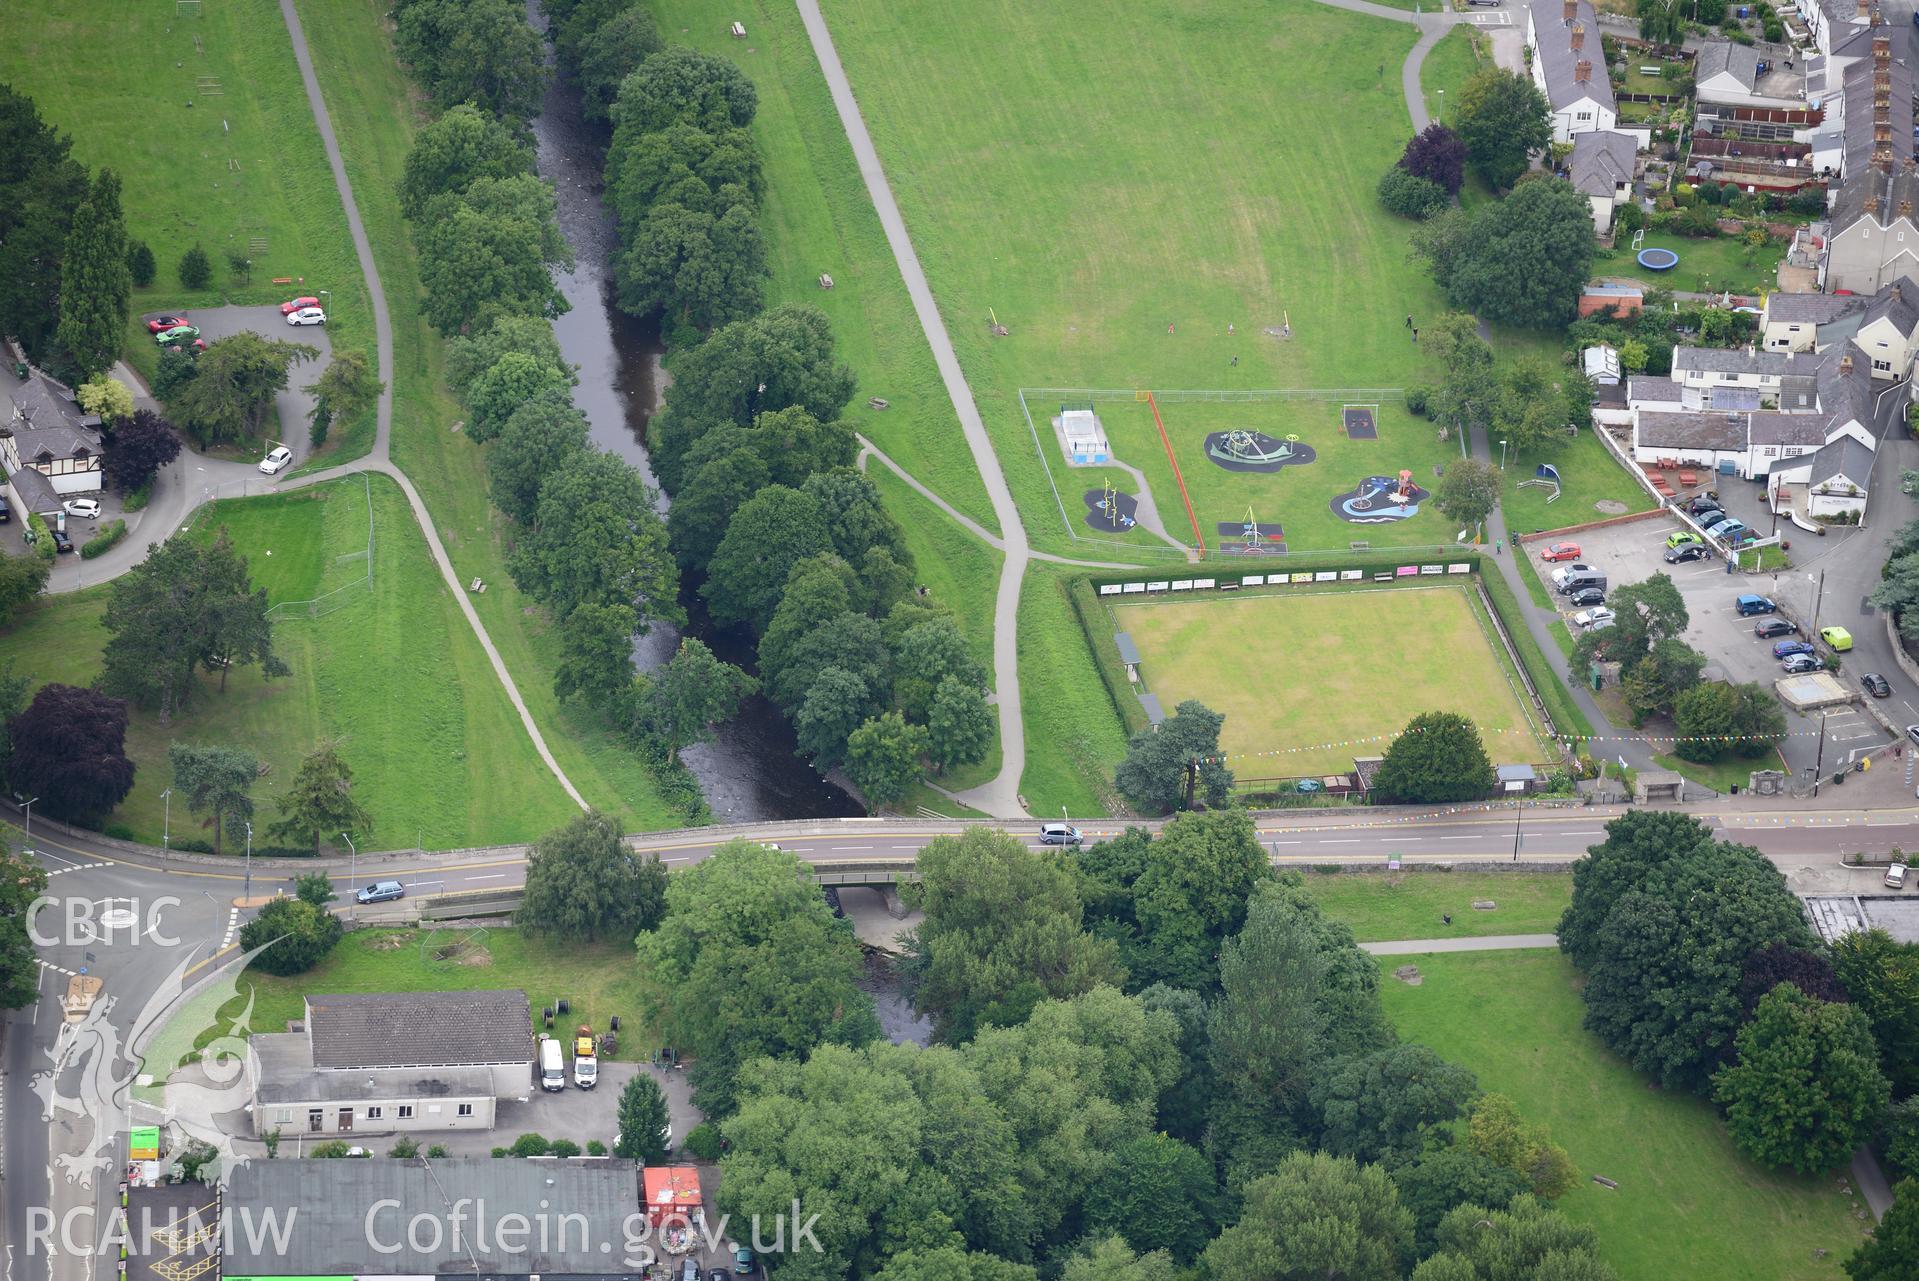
[{"x": 192, "y": 478}]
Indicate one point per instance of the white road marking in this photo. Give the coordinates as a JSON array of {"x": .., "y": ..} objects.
[
  {"x": 1352, "y": 840},
  {"x": 1399, "y": 840},
  {"x": 494, "y": 876},
  {"x": 1460, "y": 838}
]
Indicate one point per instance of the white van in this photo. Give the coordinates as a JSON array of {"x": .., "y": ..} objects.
[
  {"x": 1896, "y": 877},
  {"x": 552, "y": 1065}
]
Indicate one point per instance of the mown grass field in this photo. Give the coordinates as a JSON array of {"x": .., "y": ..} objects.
[
  {"x": 1092, "y": 177},
  {"x": 1688, "y": 1204},
  {"x": 1307, "y": 682},
  {"x": 375, "y": 111},
  {"x": 392, "y": 672},
  {"x": 1381, "y": 906},
  {"x": 202, "y": 115}
]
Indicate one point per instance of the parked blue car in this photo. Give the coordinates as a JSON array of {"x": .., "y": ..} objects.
[{"x": 1787, "y": 648}]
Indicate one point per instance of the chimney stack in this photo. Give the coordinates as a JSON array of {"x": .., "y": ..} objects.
[
  {"x": 1572, "y": 9},
  {"x": 1845, "y": 366},
  {"x": 1905, "y": 211},
  {"x": 1583, "y": 70},
  {"x": 1865, "y": 9},
  {"x": 1579, "y": 35}
]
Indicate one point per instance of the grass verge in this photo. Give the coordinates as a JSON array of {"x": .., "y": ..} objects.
[
  {"x": 1382, "y": 906},
  {"x": 1688, "y": 1204},
  {"x": 1546, "y": 677},
  {"x": 1074, "y": 738}
]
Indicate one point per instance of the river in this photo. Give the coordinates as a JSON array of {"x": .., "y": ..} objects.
[{"x": 749, "y": 772}]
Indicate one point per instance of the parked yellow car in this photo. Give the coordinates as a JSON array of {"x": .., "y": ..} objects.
[{"x": 1838, "y": 637}]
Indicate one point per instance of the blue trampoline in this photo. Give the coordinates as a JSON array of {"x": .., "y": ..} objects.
[{"x": 1658, "y": 259}]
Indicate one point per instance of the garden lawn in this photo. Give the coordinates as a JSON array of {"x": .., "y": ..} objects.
[
  {"x": 1721, "y": 776},
  {"x": 1383, "y": 906},
  {"x": 1688, "y": 1204},
  {"x": 597, "y": 979},
  {"x": 390, "y": 669},
  {"x": 1092, "y": 177},
  {"x": 1306, "y": 682},
  {"x": 375, "y": 111},
  {"x": 201, "y": 113},
  {"x": 1588, "y": 475},
  {"x": 1711, "y": 265}
]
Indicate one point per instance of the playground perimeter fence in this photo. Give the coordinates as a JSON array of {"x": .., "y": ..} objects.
[
  {"x": 327, "y": 602},
  {"x": 1093, "y": 395}
]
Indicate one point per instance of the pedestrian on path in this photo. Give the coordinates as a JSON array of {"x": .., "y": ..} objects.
[{"x": 1409, "y": 322}]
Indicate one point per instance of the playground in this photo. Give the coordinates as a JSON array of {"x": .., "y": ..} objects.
[
  {"x": 1265, "y": 472},
  {"x": 1307, "y": 681}
]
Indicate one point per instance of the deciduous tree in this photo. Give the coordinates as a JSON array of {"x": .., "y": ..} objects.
[
  {"x": 776, "y": 529},
  {"x": 680, "y": 83},
  {"x": 1190, "y": 896},
  {"x": 1001, "y": 932},
  {"x": 689, "y": 695},
  {"x": 773, "y": 361},
  {"x": 78, "y": 766},
  {"x": 959, "y": 726},
  {"x": 699, "y": 268},
  {"x": 319, "y": 804},
  {"x": 749, "y": 961},
  {"x": 596, "y": 655},
  {"x": 1892, "y": 1254},
  {"x": 216, "y": 780},
  {"x": 1383, "y": 1105},
  {"x": 537, "y": 439},
  {"x": 1178, "y": 764},
  {"x": 230, "y": 396},
  {"x": 1524, "y": 259},
  {"x": 1503, "y": 120},
  {"x": 21, "y": 882},
  {"x": 1469, "y": 491},
  {"x": 347, "y": 389},
  {"x": 295, "y": 934},
  {"x": 107, "y": 397},
  {"x": 470, "y": 355},
  {"x": 1882, "y": 977},
  {"x": 1524, "y": 1241},
  {"x": 883, "y": 758},
  {"x": 1496, "y": 1131},
  {"x": 21, "y": 579},
  {"x": 462, "y": 145},
  {"x": 1662, "y": 920},
  {"x": 1438, "y": 155},
  {"x": 582, "y": 882},
  {"x": 1149, "y": 1174},
  {"x": 1410, "y": 196},
  {"x": 835, "y": 704},
  {"x": 1775, "y": 963},
  {"x": 616, "y": 50},
  {"x": 1441, "y": 1178},
  {"x": 1317, "y": 1216},
  {"x": 1805, "y": 1089},
  {"x": 596, "y": 536}
]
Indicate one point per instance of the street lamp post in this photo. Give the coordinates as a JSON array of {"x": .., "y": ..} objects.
[
  {"x": 166, "y": 820},
  {"x": 248, "y": 891},
  {"x": 1519, "y": 813},
  {"x": 352, "y": 879},
  {"x": 27, "y": 808},
  {"x": 1502, "y": 455}
]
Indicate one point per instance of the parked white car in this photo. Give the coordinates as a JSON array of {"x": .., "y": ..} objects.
[
  {"x": 83, "y": 508},
  {"x": 306, "y": 316},
  {"x": 276, "y": 461},
  {"x": 1594, "y": 616}
]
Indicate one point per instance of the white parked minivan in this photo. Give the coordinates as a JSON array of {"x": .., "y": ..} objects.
[{"x": 552, "y": 1065}]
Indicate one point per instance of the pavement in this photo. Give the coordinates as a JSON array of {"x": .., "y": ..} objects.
[{"x": 1485, "y": 943}]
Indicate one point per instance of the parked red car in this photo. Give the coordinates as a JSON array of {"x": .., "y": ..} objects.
[
  {"x": 292, "y": 305},
  {"x": 161, "y": 324},
  {"x": 1561, "y": 551}
]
